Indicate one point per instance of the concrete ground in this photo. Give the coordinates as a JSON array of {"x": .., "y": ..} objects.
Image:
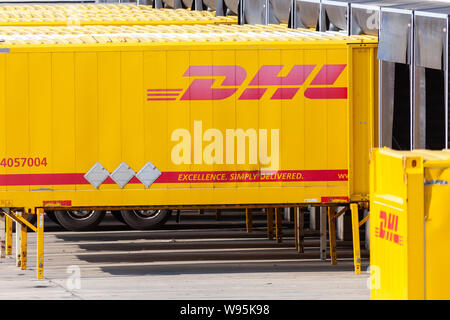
[{"x": 191, "y": 260}]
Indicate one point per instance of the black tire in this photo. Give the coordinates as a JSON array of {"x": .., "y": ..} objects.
[
  {"x": 75, "y": 220},
  {"x": 145, "y": 219},
  {"x": 51, "y": 216},
  {"x": 118, "y": 216},
  {"x": 31, "y": 218}
]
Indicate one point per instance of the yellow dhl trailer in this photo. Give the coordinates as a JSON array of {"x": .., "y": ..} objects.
[
  {"x": 216, "y": 119},
  {"x": 105, "y": 15},
  {"x": 149, "y": 122},
  {"x": 137, "y": 33},
  {"x": 409, "y": 251},
  {"x": 101, "y": 8},
  {"x": 87, "y": 219}
]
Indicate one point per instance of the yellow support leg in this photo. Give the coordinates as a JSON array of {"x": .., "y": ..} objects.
[
  {"x": 40, "y": 243},
  {"x": 218, "y": 214},
  {"x": 332, "y": 234},
  {"x": 296, "y": 236},
  {"x": 201, "y": 211},
  {"x": 9, "y": 233},
  {"x": 299, "y": 229},
  {"x": 248, "y": 220},
  {"x": 278, "y": 225},
  {"x": 2, "y": 235},
  {"x": 270, "y": 223},
  {"x": 356, "y": 243},
  {"x": 23, "y": 246},
  {"x": 18, "y": 264}
]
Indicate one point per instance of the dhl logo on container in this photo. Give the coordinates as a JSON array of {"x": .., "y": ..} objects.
[
  {"x": 388, "y": 229},
  {"x": 266, "y": 77}
]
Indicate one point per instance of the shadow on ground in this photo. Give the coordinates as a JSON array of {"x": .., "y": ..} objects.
[{"x": 233, "y": 267}]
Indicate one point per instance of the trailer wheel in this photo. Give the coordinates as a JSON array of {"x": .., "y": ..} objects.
[
  {"x": 116, "y": 214},
  {"x": 31, "y": 218},
  {"x": 51, "y": 216},
  {"x": 145, "y": 219},
  {"x": 79, "y": 220}
]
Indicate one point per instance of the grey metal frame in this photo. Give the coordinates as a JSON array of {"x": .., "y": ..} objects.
[
  {"x": 264, "y": 11},
  {"x": 404, "y": 16},
  {"x": 342, "y": 6},
  {"x": 296, "y": 11},
  {"x": 373, "y": 5},
  {"x": 387, "y": 54},
  {"x": 242, "y": 15}
]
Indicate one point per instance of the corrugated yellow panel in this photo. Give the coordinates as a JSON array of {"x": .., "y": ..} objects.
[
  {"x": 63, "y": 117},
  {"x": 132, "y": 112},
  {"x": 17, "y": 119},
  {"x": 3, "y": 120},
  {"x": 437, "y": 237},
  {"x": 40, "y": 111},
  {"x": 178, "y": 118},
  {"x": 246, "y": 111},
  {"x": 293, "y": 133},
  {"x": 109, "y": 111},
  {"x": 155, "y": 117},
  {"x": 269, "y": 114},
  {"x": 86, "y": 113},
  {"x": 316, "y": 124},
  {"x": 336, "y": 75},
  {"x": 201, "y": 113}
]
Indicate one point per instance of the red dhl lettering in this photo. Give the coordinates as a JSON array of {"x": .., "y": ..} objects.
[
  {"x": 204, "y": 86},
  {"x": 388, "y": 228}
]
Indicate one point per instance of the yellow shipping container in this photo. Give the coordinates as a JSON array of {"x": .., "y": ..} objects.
[
  {"x": 81, "y": 7},
  {"x": 218, "y": 119},
  {"x": 409, "y": 251},
  {"x": 106, "y": 14}
]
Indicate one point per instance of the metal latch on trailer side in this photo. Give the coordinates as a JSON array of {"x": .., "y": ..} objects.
[{"x": 434, "y": 182}]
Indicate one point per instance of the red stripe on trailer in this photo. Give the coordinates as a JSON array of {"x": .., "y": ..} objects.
[
  {"x": 253, "y": 176},
  {"x": 183, "y": 177}
]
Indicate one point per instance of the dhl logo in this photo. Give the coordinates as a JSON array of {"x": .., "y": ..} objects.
[
  {"x": 204, "y": 86},
  {"x": 388, "y": 228}
]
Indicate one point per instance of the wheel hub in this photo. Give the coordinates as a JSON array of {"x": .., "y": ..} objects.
[
  {"x": 80, "y": 214},
  {"x": 146, "y": 214}
]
